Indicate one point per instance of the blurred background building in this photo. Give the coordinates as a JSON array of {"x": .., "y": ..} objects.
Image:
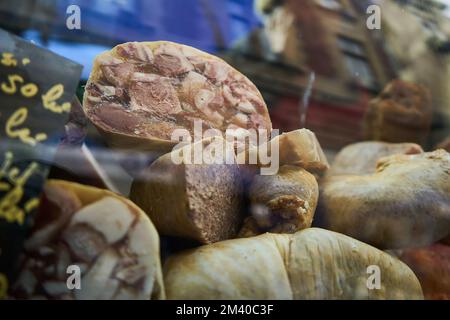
[
  {"x": 350, "y": 63},
  {"x": 417, "y": 36},
  {"x": 315, "y": 61},
  {"x": 207, "y": 25},
  {"x": 328, "y": 47}
]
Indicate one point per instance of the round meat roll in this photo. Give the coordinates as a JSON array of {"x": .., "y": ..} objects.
[
  {"x": 281, "y": 203},
  {"x": 139, "y": 93},
  {"x": 89, "y": 243},
  {"x": 310, "y": 264},
  {"x": 405, "y": 203}
]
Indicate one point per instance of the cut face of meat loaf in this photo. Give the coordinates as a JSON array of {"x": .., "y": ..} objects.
[
  {"x": 139, "y": 93},
  {"x": 196, "y": 201},
  {"x": 106, "y": 238}
]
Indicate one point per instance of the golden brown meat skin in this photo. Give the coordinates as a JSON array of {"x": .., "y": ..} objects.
[
  {"x": 282, "y": 203},
  {"x": 310, "y": 264},
  {"x": 405, "y": 203},
  {"x": 401, "y": 113},
  {"x": 361, "y": 158},
  {"x": 296, "y": 148},
  {"x": 445, "y": 144}
]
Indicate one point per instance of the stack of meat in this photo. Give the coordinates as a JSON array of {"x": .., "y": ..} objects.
[{"x": 249, "y": 234}]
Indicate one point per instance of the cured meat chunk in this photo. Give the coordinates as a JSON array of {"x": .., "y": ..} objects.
[
  {"x": 361, "y": 158},
  {"x": 405, "y": 203},
  {"x": 195, "y": 201},
  {"x": 163, "y": 86},
  {"x": 281, "y": 203},
  {"x": 103, "y": 238},
  {"x": 309, "y": 264}
]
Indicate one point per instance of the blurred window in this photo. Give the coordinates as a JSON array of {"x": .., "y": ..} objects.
[
  {"x": 356, "y": 61},
  {"x": 351, "y": 46},
  {"x": 431, "y": 28},
  {"x": 330, "y": 4}
]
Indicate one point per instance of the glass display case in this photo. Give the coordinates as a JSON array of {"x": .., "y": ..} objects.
[{"x": 232, "y": 149}]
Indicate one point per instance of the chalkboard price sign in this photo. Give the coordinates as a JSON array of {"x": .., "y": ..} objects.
[{"x": 36, "y": 88}]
